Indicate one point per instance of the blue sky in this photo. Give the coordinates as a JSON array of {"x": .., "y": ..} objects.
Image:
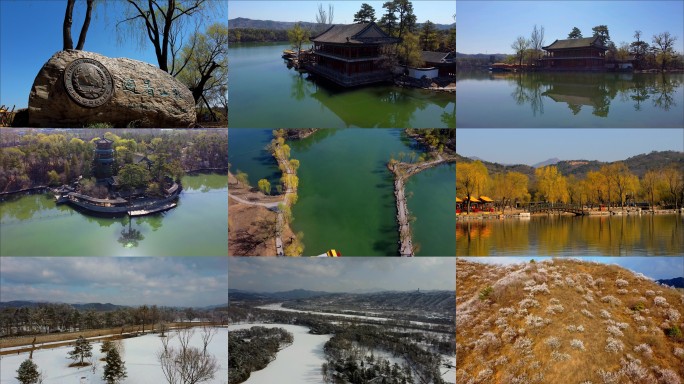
[
  {"x": 31, "y": 32},
  {"x": 654, "y": 267},
  {"x": 344, "y": 274},
  {"x": 174, "y": 281},
  {"x": 531, "y": 146},
  {"x": 491, "y": 26},
  {"x": 440, "y": 12}
]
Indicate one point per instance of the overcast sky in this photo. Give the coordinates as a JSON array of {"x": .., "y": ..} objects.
[
  {"x": 345, "y": 274},
  {"x": 654, "y": 267},
  {"x": 174, "y": 281}
]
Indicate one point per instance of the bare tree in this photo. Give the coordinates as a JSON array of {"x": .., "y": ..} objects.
[
  {"x": 324, "y": 18},
  {"x": 162, "y": 22},
  {"x": 520, "y": 45},
  {"x": 68, "y": 20},
  {"x": 665, "y": 43},
  {"x": 537, "y": 39},
  {"x": 185, "y": 364}
]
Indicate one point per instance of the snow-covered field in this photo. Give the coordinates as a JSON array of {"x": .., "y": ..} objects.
[
  {"x": 139, "y": 354},
  {"x": 279, "y": 307},
  {"x": 297, "y": 364}
]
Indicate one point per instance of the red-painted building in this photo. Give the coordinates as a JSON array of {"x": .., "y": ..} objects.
[{"x": 575, "y": 54}]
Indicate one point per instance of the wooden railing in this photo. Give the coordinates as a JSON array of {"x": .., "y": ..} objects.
[{"x": 577, "y": 209}]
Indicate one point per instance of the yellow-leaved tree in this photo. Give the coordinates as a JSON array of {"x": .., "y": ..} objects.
[
  {"x": 551, "y": 184},
  {"x": 471, "y": 179}
]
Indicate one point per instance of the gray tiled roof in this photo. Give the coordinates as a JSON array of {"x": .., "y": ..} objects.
[
  {"x": 437, "y": 57},
  {"x": 575, "y": 43},
  {"x": 360, "y": 33}
]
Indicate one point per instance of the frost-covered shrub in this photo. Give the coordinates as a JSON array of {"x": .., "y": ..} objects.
[
  {"x": 614, "y": 345},
  {"x": 644, "y": 349},
  {"x": 486, "y": 341},
  {"x": 611, "y": 300},
  {"x": 553, "y": 309},
  {"x": 554, "y": 301},
  {"x": 660, "y": 301},
  {"x": 609, "y": 377},
  {"x": 506, "y": 311},
  {"x": 649, "y": 293},
  {"x": 622, "y": 291},
  {"x": 534, "y": 289},
  {"x": 500, "y": 322},
  {"x": 552, "y": 342},
  {"x": 578, "y": 344},
  {"x": 672, "y": 314},
  {"x": 534, "y": 321},
  {"x": 569, "y": 281},
  {"x": 642, "y": 329},
  {"x": 575, "y": 328},
  {"x": 605, "y": 314},
  {"x": 615, "y": 331},
  {"x": 668, "y": 376},
  {"x": 636, "y": 373},
  {"x": 599, "y": 282},
  {"x": 587, "y": 313},
  {"x": 588, "y": 297},
  {"x": 484, "y": 375},
  {"x": 528, "y": 303},
  {"x": 679, "y": 352},
  {"x": 622, "y": 326},
  {"x": 638, "y": 318},
  {"x": 620, "y": 283},
  {"x": 523, "y": 345},
  {"x": 557, "y": 356},
  {"x": 501, "y": 360},
  {"x": 509, "y": 334}
]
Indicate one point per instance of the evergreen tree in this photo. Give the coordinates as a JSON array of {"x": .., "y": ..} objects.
[
  {"x": 575, "y": 33},
  {"x": 114, "y": 369},
  {"x": 365, "y": 15},
  {"x": 82, "y": 349},
  {"x": 28, "y": 372},
  {"x": 428, "y": 37}
]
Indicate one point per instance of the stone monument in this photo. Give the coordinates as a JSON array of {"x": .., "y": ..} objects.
[{"x": 77, "y": 88}]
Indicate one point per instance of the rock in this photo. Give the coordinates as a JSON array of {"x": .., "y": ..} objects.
[{"x": 99, "y": 89}]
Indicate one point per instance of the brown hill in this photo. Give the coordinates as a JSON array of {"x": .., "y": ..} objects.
[{"x": 565, "y": 321}]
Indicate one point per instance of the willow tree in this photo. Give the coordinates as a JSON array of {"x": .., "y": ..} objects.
[
  {"x": 163, "y": 23},
  {"x": 551, "y": 184},
  {"x": 509, "y": 187},
  {"x": 68, "y": 20},
  {"x": 471, "y": 179},
  {"x": 207, "y": 62}
]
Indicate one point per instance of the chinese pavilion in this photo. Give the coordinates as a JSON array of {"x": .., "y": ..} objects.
[
  {"x": 104, "y": 158},
  {"x": 575, "y": 54},
  {"x": 351, "y": 55}
]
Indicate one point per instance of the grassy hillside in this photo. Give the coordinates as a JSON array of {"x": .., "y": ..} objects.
[{"x": 565, "y": 321}]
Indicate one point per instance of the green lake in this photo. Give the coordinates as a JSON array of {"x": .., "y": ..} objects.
[
  {"x": 264, "y": 93},
  {"x": 346, "y": 194},
  {"x": 631, "y": 235},
  {"x": 33, "y": 225},
  {"x": 582, "y": 100}
]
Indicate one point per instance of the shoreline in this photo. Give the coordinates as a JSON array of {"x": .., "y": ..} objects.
[{"x": 517, "y": 215}]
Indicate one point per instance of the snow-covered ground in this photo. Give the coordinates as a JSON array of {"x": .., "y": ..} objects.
[
  {"x": 297, "y": 364},
  {"x": 139, "y": 354},
  {"x": 279, "y": 307}
]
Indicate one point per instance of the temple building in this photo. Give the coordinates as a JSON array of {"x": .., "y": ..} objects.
[
  {"x": 103, "y": 159},
  {"x": 351, "y": 55},
  {"x": 575, "y": 54}
]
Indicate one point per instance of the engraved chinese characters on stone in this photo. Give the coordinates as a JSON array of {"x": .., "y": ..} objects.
[{"x": 88, "y": 82}]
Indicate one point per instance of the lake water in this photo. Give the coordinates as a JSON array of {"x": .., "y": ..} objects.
[
  {"x": 264, "y": 93},
  {"x": 573, "y": 236},
  {"x": 34, "y": 225},
  {"x": 346, "y": 194},
  {"x": 584, "y": 100}
]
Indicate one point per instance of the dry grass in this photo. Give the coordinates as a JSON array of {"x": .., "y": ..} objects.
[{"x": 535, "y": 325}]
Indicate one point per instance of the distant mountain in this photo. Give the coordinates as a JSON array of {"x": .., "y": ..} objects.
[
  {"x": 97, "y": 307},
  {"x": 498, "y": 57},
  {"x": 638, "y": 164},
  {"x": 432, "y": 301},
  {"x": 295, "y": 294},
  {"x": 544, "y": 163},
  {"x": 677, "y": 282},
  {"x": 241, "y": 22}
]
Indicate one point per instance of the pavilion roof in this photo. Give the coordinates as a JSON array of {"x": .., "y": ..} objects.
[
  {"x": 584, "y": 42},
  {"x": 360, "y": 33}
]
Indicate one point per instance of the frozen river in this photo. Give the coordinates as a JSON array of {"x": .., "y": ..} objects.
[
  {"x": 279, "y": 307},
  {"x": 139, "y": 355},
  {"x": 299, "y": 363}
]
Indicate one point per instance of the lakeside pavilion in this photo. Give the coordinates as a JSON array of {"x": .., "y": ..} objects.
[
  {"x": 575, "y": 54},
  {"x": 351, "y": 55}
]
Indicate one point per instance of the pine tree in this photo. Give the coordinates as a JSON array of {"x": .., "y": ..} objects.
[
  {"x": 82, "y": 349},
  {"x": 114, "y": 369},
  {"x": 28, "y": 372}
]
